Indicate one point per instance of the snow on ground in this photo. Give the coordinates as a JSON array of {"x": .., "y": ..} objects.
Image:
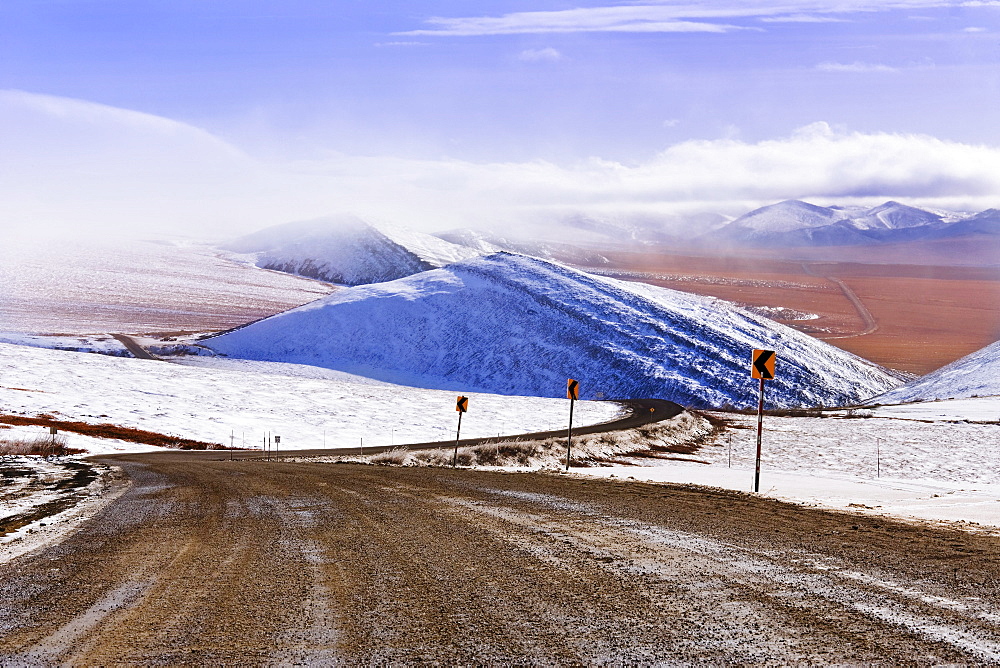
[
  {"x": 934, "y": 460},
  {"x": 75, "y": 286},
  {"x": 976, "y": 374},
  {"x": 90, "y": 444},
  {"x": 40, "y": 502},
  {"x": 512, "y": 324},
  {"x": 978, "y": 409},
  {"x": 921, "y": 461},
  {"x": 209, "y": 403}
]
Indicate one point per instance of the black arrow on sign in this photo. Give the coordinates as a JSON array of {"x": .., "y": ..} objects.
[
  {"x": 572, "y": 389},
  {"x": 761, "y": 364}
]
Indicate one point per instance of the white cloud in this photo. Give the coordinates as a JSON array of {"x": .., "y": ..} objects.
[
  {"x": 671, "y": 122},
  {"x": 803, "y": 18},
  {"x": 855, "y": 67},
  {"x": 535, "y": 55},
  {"x": 401, "y": 43},
  {"x": 594, "y": 19},
  {"x": 974, "y": 29},
  {"x": 667, "y": 16},
  {"x": 70, "y": 164}
]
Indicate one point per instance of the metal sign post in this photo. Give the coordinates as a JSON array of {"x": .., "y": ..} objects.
[
  {"x": 462, "y": 406},
  {"x": 762, "y": 367},
  {"x": 277, "y": 442},
  {"x": 572, "y": 393}
]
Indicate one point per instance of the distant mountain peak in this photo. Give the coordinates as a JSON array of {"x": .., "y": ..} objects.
[{"x": 347, "y": 249}]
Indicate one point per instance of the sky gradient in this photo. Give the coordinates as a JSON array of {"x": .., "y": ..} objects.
[{"x": 229, "y": 115}]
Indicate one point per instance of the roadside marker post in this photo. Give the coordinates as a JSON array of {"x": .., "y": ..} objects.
[
  {"x": 277, "y": 442},
  {"x": 878, "y": 457},
  {"x": 52, "y": 432},
  {"x": 462, "y": 406},
  {"x": 762, "y": 367},
  {"x": 572, "y": 393}
]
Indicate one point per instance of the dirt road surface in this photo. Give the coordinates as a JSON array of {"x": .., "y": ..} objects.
[
  {"x": 212, "y": 562},
  {"x": 133, "y": 347},
  {"x": 638, "y": 412},
  {"x": 867, "y": 319}
]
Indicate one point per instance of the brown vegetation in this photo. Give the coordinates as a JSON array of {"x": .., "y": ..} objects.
[
  {"x": 41, "y": 445},
  {"x": 927, "y": 316},
  {"x": 110, "y": 431}
]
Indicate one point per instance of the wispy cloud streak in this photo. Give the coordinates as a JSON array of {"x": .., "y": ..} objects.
[
  {"x": 666, "y": 17},
  {"x": 857, "y": 67}
]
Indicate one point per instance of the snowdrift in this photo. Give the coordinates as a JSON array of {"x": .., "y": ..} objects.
[
  {"x": 511, "y": 324},
  {"x": 975, "y": 375},
  {"x": 348, "y": 250}
]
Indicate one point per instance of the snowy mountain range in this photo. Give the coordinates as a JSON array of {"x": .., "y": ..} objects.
[
  {"x": 348, "y": 250},
  {"x": 796, "y": 223},
  {"x": 516, "y": 325},
  {"x": 975, "y": 375}
]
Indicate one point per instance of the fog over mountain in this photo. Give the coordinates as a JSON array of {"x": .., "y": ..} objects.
[{"x": 347, "y": 249}]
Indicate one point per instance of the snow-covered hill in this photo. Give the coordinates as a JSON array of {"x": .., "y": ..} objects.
[
  {"x": 975, "y": 375},
  {"x": 894, "y": 216},
  {"x": 785, "y": 217},
  {"x": 983, "y": 223},
  {"x": 348, "y": 250},
  {"x": 511, "y": 324},
  {"x": 796, "y": 223}
]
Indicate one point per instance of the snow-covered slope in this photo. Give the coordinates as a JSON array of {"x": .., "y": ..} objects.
[
  {"x": 511, "y": 324},
  {"x": 216, "y": 400},
  {"x": 895, "y": 216},
  {"x": 974, "y": 375},
  {"x": 784, "y": 217},
  {"x": 346, "y": 249},
  {"x": 796, "y": 223},
  {"x": 983, "y": 223}
]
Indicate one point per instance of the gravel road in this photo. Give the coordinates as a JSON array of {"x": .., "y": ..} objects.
[{"x": 209, "y": 561}]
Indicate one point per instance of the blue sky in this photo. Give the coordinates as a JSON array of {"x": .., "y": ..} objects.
[{"x": 453, "y": 93}]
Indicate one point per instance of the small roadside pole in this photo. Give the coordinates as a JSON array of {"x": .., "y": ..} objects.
[
  {"x": 52, "y": 432},
  {"x": 762, "y": 367},
  {"x": 878, "y": 457},
  {"x": 462, "y": 406},
  {"x": 572, "y": 393},
  {"x": 277, "y": 442},
  {"x": 232, "y": 443},
  {"x": 362, "y": 446},
  {"x": 730, "y": 451}
]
